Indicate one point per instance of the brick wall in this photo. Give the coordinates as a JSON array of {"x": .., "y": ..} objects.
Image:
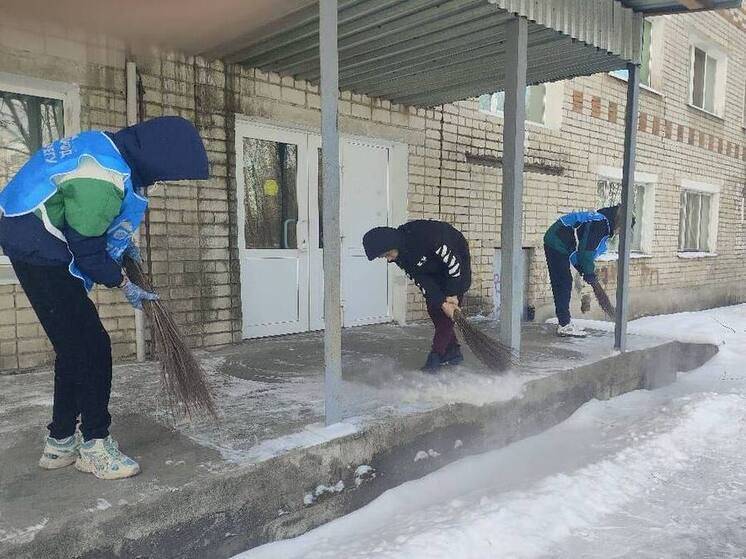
[
  {"x": 675, "y": 142},
  {"x": 96, "y": 64},
  {"x": 190, "y": 239},
  {"x": 189, "y": 246}
]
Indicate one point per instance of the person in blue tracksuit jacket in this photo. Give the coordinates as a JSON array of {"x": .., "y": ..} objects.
[
  {"x": 576, "y": 239},
  {"x": 66, "y": 220}
]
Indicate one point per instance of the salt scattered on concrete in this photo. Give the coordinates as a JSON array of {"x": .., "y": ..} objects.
[{"x": 22, "y": 535}]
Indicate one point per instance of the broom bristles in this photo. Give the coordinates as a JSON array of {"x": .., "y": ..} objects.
[
  {"x": 603, "y": 299},
  {"x": 490, "y": 352},
  {"x": 182, "y": 377}
]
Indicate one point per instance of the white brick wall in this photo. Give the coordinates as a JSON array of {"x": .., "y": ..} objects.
[{"x": 192, "y": 228}]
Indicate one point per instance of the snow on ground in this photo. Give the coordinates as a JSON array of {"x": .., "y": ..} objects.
[{"x": 648, "y": 474}]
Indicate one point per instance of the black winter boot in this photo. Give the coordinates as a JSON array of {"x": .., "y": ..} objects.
[
  {"x": 453, "y": 355},
  {"x": 434, "y": 362}
]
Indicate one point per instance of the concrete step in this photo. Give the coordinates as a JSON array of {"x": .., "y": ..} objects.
[{"x": 193, "y": 501}]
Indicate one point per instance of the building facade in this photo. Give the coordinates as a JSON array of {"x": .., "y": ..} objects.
[{"x": 239, "y": 255}]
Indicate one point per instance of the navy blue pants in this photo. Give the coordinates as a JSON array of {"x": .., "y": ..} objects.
[
  {"x": 82, "y": 368},
  {"x": 561, "y": 280}
]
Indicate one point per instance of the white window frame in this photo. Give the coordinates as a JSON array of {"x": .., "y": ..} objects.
[
  {"x": 647, "y": 220},
  {"x": 711, "y": 50},
  {"x": 713, "y": 189},
  {"x": 655, "y": 64},
  {"x": 553, "y": 97},
  {"x": 69, "y": 94}
]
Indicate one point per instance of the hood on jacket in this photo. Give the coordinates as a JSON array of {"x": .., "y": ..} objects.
[
  {"x": 610, "y": 214},
  {"x": 166, "y": 148},
  {"x": 379, "y": 240}
]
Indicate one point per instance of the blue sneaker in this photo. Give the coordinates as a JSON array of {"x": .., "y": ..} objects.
[{"x": 59, "y": 453}]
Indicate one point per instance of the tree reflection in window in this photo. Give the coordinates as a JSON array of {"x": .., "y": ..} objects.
[
  {"x": 27, "y": 123},
  {"x": 270, "y": 201}
]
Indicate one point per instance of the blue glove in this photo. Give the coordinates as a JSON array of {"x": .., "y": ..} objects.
[
  {"x": 136, "y": 295},
  {"x": 133, "y": 252}
]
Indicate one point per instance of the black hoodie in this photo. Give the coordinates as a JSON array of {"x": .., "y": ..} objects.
[{"x": 432, "y": 253}]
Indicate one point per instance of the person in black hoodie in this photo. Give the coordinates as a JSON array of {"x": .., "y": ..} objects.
[
  {"x": 66, "y": 219},
  {"x": 436, "y": 257}
]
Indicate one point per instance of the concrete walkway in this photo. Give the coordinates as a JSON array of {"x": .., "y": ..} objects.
[{"x": 269, "y": 394}]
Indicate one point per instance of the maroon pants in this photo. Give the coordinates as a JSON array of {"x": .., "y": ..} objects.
[{"x": 445, "y": 335}]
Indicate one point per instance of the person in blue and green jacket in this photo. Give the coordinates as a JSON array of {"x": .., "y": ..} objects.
[
  {"x": 576, "y": 239},
  {"x": 66, "y": 220}
]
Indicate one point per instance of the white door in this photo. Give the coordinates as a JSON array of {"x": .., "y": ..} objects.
[
  {"x": 365, "y": 204},
  {"x": 316, "y": 235},
  {"x": 281, "y": 236},
  {"x": 272, "y": 179}
]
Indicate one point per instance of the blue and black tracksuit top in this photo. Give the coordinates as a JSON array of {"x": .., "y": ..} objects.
[
  {"x": 582, "y": 236},
  {"x": 74, "y": 222}
]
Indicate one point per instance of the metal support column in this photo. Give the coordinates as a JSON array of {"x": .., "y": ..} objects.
[
  {"x": 332, "y": 239},
  {"x": 511, "y": 279},
  {"x": 628, "y": 180}
]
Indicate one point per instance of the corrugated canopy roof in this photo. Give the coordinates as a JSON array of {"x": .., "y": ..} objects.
[
  {"x": 659, "y": 7},
  {"x": 422, "y": 52}
]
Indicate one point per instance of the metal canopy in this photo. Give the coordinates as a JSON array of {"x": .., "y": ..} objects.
[
  {"x": 426, "y": 53},
  {"x": 661, "y": 7}
]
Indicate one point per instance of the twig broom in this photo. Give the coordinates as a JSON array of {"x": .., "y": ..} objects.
[
  {"x": 603, "y": 299},
  {"x": 182, "y": 377},
  {"x": 491, "y": 353}
]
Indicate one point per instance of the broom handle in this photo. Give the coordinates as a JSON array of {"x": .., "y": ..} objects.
[{"x": 136, "y": 274}]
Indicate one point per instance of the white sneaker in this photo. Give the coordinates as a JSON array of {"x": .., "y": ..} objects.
[
  {"x": 103, "y": 459},
  {"x": 59, "y": 453},
  {"x": 571, "y": 330}
]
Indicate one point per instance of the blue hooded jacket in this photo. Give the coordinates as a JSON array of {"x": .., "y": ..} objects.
[
  {"x": 583, "y": 236},
  {"x": 165, "y": 148}
]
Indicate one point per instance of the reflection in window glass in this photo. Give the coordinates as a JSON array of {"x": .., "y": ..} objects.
[
  {"x": 270, "y": 201},
  {"x": 694, "y": 222},
  {"x": 704, "y": 80},
  {"x": 698, "y": 80},
  {"x": 535, "y": 103},
  {"x": 645, "y": 57},
  {"x": 711, "y": 67},
  {"x": 26, "y": 124},
  {"x": 647, "y": 28},
  {"x": 610, "y": 194}
]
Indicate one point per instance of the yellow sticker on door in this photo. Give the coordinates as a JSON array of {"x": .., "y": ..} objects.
[{"x": 271, "y": 188}]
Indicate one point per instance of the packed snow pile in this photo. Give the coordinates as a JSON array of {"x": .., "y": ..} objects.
[
  {"x": 363, "y": 474},
  {"x": 648, "y": 474},
  {"x": 323, "y": 490}
]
